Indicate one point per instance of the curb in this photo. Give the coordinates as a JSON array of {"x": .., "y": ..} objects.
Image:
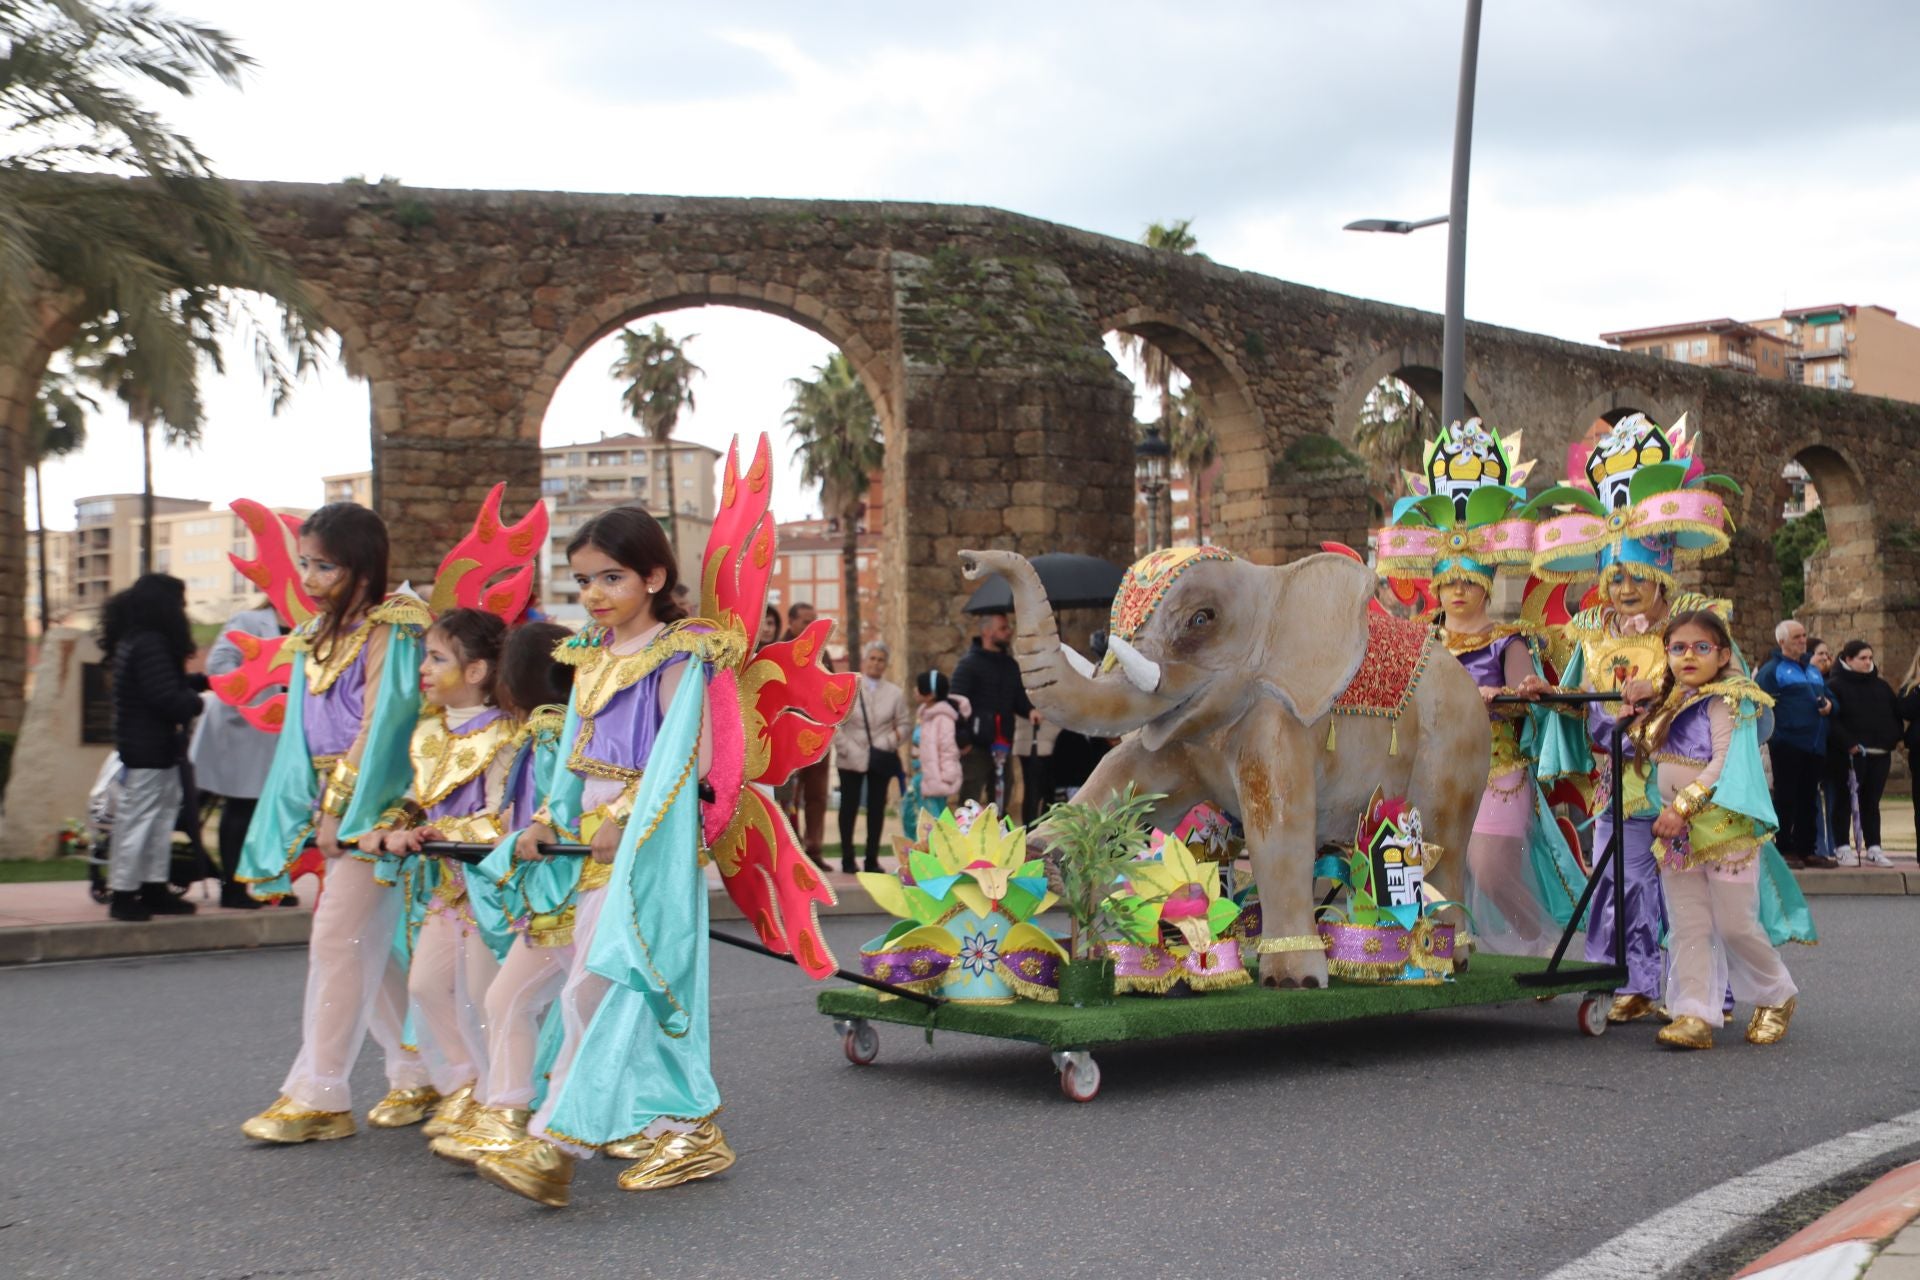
[
  {"x": 231, "y": 931},
  {"x": 1851, "y": 881},
  {"x": 1872, "y": 1228}
]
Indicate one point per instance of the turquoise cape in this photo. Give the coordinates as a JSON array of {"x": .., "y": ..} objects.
[
  {"x": 645, "y": 1055},
  {"x": 284, "y": 817}
]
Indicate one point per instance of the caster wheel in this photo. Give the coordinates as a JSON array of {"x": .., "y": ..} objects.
[
  {"x": 862, "y": 1044},
  {"x": 1593, "y": 1015},
  {"x": 1080, "y": 1079}
]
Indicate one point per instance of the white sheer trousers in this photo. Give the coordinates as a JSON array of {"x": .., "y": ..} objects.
[
  {"x": 451, "y": 974},
  {"x": 354, "y": 985},
  {"x": 527, "y": 984},
  {"x": 1715, "y": 938}
]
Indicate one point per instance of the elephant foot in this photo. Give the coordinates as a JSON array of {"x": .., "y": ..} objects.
[{"x": 1293, "y": 970}]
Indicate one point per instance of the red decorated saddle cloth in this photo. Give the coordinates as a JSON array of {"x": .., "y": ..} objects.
[{"x": 1397, "y": 650}]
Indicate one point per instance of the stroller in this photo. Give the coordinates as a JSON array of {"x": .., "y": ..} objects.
[{"x": 189, "y": 864}]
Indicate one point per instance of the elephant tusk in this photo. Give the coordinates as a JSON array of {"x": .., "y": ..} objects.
[
  {"x": 1142, "y": 672},
  {"x": 1078, "y": 661}
]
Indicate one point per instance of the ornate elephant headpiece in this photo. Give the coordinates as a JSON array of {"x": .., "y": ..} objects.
[
  {"x": 1461, "y": 520},
  {"x": 1643, "y": 502},
  {"x": 1148, "y": 582}
]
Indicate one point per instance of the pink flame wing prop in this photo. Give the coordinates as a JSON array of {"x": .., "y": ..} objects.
[{"x": 465, "y": 577}]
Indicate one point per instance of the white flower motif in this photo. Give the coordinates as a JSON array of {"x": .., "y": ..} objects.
[{"x": 978, "y": 953}]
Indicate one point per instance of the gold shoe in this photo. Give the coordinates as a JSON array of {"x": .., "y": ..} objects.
[
  {"x": 1629, "y": 1007},
  {"x": 1686, "y": 1032},
  {"x": 532, "y": 1168},
  {"x": 488, "y": 1131},
  {"x": 286, "y": 1121},
  {"x": 402, "y": 1107},
  {"x": 1769, "y": 1022},
  {"x": 638, "y": 1147},
  {"x": 451, "y": 1114},
  {"x": 680, "y": 1157}
]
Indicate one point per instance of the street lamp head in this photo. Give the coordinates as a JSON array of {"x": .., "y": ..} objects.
[
  {"x": 1397, "y": 226},
  {"x": 1150, "y": 460}
]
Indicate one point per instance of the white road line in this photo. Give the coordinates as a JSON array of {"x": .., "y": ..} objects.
[{"x": 1666, "y": 1240}]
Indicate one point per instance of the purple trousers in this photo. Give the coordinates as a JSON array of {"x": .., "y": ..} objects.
[{"x": 1645, "y": 909}]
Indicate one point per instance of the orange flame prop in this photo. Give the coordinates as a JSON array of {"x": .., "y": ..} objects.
[
  {"x": 790, "y": 704},
  {"x": 264, "y": 666},
  {"x": 274, "y": 569},
  {"x": 490, "y": 548}
]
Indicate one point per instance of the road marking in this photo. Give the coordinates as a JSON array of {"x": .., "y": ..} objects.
[{"x": 1668, "y": 1239}]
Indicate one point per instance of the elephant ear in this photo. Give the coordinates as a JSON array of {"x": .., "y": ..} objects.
[{"x": 1318, "y": 636}]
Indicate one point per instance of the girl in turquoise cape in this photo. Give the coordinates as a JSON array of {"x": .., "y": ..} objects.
[
  {"x": 633, "y": 1074},
  {"x": 341, "y": 761},
  {"x": 1715, "y": 818},
  {"x": 461, "y": 752},
  {"x": 525, "y": 909}
]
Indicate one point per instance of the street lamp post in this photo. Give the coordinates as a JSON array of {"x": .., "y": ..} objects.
[
  {"x": 1151, "y": 460},
  {"x": 1453, "y": 339}
]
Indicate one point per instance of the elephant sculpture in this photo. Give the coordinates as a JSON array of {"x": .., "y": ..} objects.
[{"x": 1224, "y": 676}]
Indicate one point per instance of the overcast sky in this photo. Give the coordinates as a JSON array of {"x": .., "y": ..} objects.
[{"x": 1635, "y": 163}]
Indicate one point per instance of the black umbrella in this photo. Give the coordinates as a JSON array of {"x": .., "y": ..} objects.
[{"x": 1072, "y": 582}]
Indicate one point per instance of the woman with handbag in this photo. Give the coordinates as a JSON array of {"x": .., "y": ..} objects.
[{"x": 866, "y": 750}]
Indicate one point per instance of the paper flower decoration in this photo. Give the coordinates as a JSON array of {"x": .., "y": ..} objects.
[
  {"x": 966, "y": 902},
  {"x": 1175, "y": 923},
  {"x": 1385, "y": 932}
]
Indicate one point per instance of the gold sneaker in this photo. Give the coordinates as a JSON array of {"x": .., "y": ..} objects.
[
  {"x": 1629, "y": 1007},
  {"x": 451, "y": 1115},
  {"x": 533, "y": 1168},
  {"x": 638, "y": 1147},
  {"x": 1686, "y": 1032},
  {"x": 680, "y": 1157},
  {"x": 286, "y": 1121},
  {"x": 1769, "y": 1022},
  {"x": 488, "y": 1131},
  {"x": 402, "y": 1107}
]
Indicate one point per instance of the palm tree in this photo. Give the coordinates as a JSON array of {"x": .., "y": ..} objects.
[
  {"x": 1155, "y": 367},
  {"x": 154, "y": 393},
  {"x": 1395, "y": 424},
  {"x": 58, "y": 427},
  {"x": 1195, "y": 448},
  {"x": 838, "y": 446},
  {"x": 659, "y": 379},
  {"x": 102, "y": 246}
]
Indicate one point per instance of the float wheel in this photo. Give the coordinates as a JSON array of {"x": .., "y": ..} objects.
[{"x": 1593, "y": 1014}]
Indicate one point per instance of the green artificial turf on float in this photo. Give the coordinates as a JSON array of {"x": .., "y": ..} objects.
[{"x": 1490, "y": 980}]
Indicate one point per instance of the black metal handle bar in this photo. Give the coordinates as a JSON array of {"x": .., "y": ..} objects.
[{"x": 470, "y": 854}]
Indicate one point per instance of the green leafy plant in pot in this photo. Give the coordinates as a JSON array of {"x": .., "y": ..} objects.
[{"x": 1090, "y": 846}]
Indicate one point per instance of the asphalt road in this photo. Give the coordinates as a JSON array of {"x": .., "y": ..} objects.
[{"x": 1483, "y": 1143}]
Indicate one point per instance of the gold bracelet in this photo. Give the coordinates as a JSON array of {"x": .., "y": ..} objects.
[
  {"x": 334, "y": 801},
  {"x": 1691, "y": 800},
  {"x": 1298, "y": 942},
  {"x": 398, "y": 818}
]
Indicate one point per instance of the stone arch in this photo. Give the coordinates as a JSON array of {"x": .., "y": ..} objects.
[
  {"x": 1216, "y": 377},
  {"x": 1419, "y": 367},
  {"x": 874, "y": 367},
  {"x": 1844, "y": 580},
  {"x": 1616, "y": 403}
]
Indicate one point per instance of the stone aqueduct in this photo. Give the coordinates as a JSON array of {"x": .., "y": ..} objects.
[{"x": 979, "y": 335}]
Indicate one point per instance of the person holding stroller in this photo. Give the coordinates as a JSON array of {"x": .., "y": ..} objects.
[
  {"x": 1863, "y": 731},
  {"x": 144, "y": 633}
]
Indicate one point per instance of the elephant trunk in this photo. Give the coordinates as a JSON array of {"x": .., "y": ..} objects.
[{"x": 1102, "y": 706}]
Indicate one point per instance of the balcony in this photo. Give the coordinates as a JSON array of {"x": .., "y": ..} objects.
[
  {"x": 1821, "y": 353},
  {"x": 1734, "y": 360}
]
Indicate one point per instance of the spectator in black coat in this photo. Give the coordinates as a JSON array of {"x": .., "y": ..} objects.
[
  {"x": 988, "y": 677},
  {"x": 1865, "y": 728},
  {"x": 144, "y": 632}
]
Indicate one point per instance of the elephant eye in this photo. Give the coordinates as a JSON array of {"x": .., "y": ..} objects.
[{"x": 1201, "y": 618}]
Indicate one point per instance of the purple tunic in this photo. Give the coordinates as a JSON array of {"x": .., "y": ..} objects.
[
  {"x": 1488, "y": 664},
  {"x": 625, "y": 728},
  {"x": 1690, "y": 736},
  {"x": 332, "y": 719}
]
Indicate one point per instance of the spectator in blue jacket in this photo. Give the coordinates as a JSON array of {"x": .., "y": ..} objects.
[{"x": 1798, "y": 748}]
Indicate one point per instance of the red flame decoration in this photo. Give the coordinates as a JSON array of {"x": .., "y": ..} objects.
[{"x": 465, "y": 577}]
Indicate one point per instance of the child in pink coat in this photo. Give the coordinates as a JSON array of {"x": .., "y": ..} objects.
[{"x": 936, "y": 749}]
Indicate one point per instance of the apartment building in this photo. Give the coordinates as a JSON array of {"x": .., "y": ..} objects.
[
  {"x": 1839, "y": 346},
  {"x": 580, "y": 480},
  {"x": 105, "y": 547},
  {"x": 1712, "y": 344},
  {"x": 59, "y": 576},
  {"x": 354, "y": 486}
]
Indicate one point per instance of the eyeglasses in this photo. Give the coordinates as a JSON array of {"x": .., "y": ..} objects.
[{"x": 1699, "y": 648}]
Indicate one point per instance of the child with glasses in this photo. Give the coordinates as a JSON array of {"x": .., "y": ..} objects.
[{"x": 1698, "y": 739}]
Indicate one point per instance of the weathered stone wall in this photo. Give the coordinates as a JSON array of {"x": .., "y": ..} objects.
[{"x": 978, "y": 334}]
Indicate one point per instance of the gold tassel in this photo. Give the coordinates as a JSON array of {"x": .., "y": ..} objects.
[
  {"x": 1393, "y": 739},
  {"x": 1332, "y": 726}
]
